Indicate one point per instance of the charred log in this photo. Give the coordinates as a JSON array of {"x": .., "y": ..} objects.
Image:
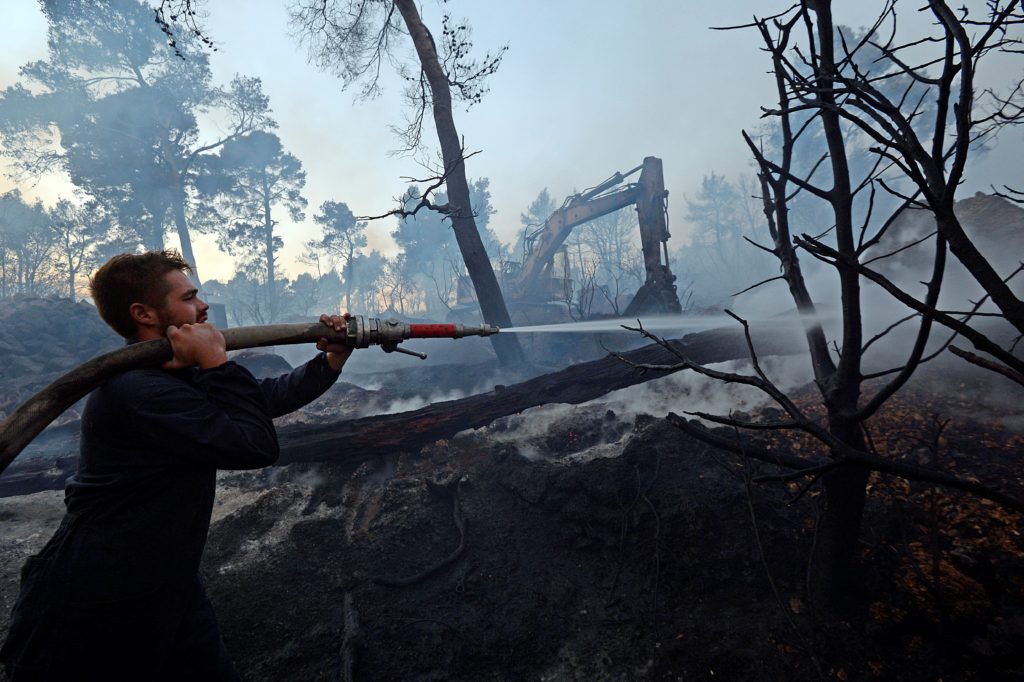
[{"x": 358, "y": 440}]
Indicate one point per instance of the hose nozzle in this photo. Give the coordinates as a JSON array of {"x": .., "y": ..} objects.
[
  {"x": 475, "y": 330},
  {"x": 363, "y": 332}
]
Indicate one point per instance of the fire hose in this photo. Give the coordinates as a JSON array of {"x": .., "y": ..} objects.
[{"x": 35, "y": 414}]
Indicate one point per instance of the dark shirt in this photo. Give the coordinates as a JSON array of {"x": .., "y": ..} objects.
[{"x": 125, "y": 559}]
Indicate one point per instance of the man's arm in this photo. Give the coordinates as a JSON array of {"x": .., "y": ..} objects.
[
  {"x": 308, "y": 382},
  {"x": 221, "y": 419}
]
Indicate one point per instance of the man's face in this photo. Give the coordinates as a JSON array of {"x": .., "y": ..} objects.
[{"x": 181, "y": 305}]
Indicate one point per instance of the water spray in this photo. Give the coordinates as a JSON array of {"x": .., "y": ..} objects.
[{"x": 679, "y": 323}]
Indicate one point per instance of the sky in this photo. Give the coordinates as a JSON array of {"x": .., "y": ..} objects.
[{"x": 587, "y": 88}]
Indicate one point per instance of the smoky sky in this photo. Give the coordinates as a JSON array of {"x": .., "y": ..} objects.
[{"x": 585, "y": 89}]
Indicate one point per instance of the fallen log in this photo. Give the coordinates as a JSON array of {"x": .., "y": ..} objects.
[{"x": 357, "y": 440}]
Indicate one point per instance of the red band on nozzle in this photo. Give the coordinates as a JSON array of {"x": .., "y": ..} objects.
[{"x": 431, "y": 331}]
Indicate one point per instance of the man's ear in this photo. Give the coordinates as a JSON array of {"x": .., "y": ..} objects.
[{"x": 144, "y": 315}]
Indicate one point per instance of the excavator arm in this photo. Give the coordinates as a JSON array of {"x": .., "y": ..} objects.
[
  {"x": 658, "y": 293},
  {"x": 557, "y": 229},
  {"x": 649, "y": 196}
]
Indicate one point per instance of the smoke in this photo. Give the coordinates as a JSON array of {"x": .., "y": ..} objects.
[
  {"x": 597, "y": 428},
  {"x": 989, "y": 219},
  {"x": 690, "y": 392},
  {"x": 385, "y": 403},
  {"x": 382, "y": 406}
]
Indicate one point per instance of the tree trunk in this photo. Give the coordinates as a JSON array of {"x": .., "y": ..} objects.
[
  {"x": 20, "y": 273},
  {"x": 178, "y": 206},
  {"x": 268, "y": 231},
  {"x": 492, "y": 303},
  {"x": 834, "y": 578},
  {"x": 348, "y": 279},
  {"x": 151, "y": 233}
]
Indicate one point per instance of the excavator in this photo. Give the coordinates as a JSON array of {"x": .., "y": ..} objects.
[
  {"x": 535, "y": 282},
  {"x": 537, "y": 289}
]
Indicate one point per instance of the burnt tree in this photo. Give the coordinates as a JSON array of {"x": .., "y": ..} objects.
[
  {"x": 854, "y": 125},
  {"x": 352, "y": 38}
]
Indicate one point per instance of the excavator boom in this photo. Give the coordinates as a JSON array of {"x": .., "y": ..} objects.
[
  {"x": 557, "y": 229},
  {"x": 648, "y": 194}
]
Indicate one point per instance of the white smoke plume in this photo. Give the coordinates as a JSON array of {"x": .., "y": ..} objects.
[{"x": 679, "y": 392}]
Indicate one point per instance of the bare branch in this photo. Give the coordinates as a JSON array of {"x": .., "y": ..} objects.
[
  {"x": 979, "y": 340},
  {"x": 436, "y": 182},
  {"x": 754, "y": 286},
  {"x": 760, "y": 246},
  {"x": 745, "y": 424},
  {"x": 184, "y": 12},
  {"x": 974, "y": 359},
  {"x": 814, "y": 471},
  {"x": 886, "y": 331},
  {"x": 741, "y": 447},
  {"x": 908, "y": 245},
  {"x": 848, "y": 456},
  {"x": 1011, "y": 194}
]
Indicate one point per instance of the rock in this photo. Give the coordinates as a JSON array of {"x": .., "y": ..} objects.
[
  {"x": 42, "y": 337},
  {"x": 262, "y": 364}
]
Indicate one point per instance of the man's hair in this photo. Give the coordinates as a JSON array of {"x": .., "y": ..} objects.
[{"x": 133, "y": 278}]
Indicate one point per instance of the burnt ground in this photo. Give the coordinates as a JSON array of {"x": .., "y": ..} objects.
[{"x": 618, "y": 549}]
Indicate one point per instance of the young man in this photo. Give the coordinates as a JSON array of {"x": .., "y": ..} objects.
[{"x": 115, "y": 594}]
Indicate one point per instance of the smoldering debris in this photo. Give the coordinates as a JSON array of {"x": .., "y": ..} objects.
[{"x": 572, "y": 432}]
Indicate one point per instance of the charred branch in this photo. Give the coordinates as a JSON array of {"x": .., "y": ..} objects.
[
  {"x": 975, "y": 359},
  {"x": 980, "y": 341},
  {"x": 436, "y": 182},
  {"x": 847, "y": 457},
  {"x": 1010, "y": 194},
  {"x": 351, "y": 637}
]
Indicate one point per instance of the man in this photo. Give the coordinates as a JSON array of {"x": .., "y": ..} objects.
[{"x": 115, "y": 594}]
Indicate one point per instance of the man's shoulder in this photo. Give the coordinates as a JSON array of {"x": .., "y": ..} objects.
[
  {"x": 141, "y": 382},
  {"x": 143, "y": 375}
]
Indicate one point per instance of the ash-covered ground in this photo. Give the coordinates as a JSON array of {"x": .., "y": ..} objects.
[{"x": 595, "y": 542}]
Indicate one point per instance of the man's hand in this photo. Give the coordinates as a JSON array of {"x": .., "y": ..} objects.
[
  {"x": 196, "y": 344},
  {"x": 337, "y": 353}
]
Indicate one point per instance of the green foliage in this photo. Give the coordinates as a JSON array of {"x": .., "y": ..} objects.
[
  {"x": 250, "y": 177},
  {"x": 367, "y": 279},
  {"x": 114, "y": 108},
  {"x": 79, "y": 232},
  {"x": 343, "y": 236},
  {"x": 532, "y": 220},
  {"x": 718, "y": 261},
  {"x": 26, "y": 246}
]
